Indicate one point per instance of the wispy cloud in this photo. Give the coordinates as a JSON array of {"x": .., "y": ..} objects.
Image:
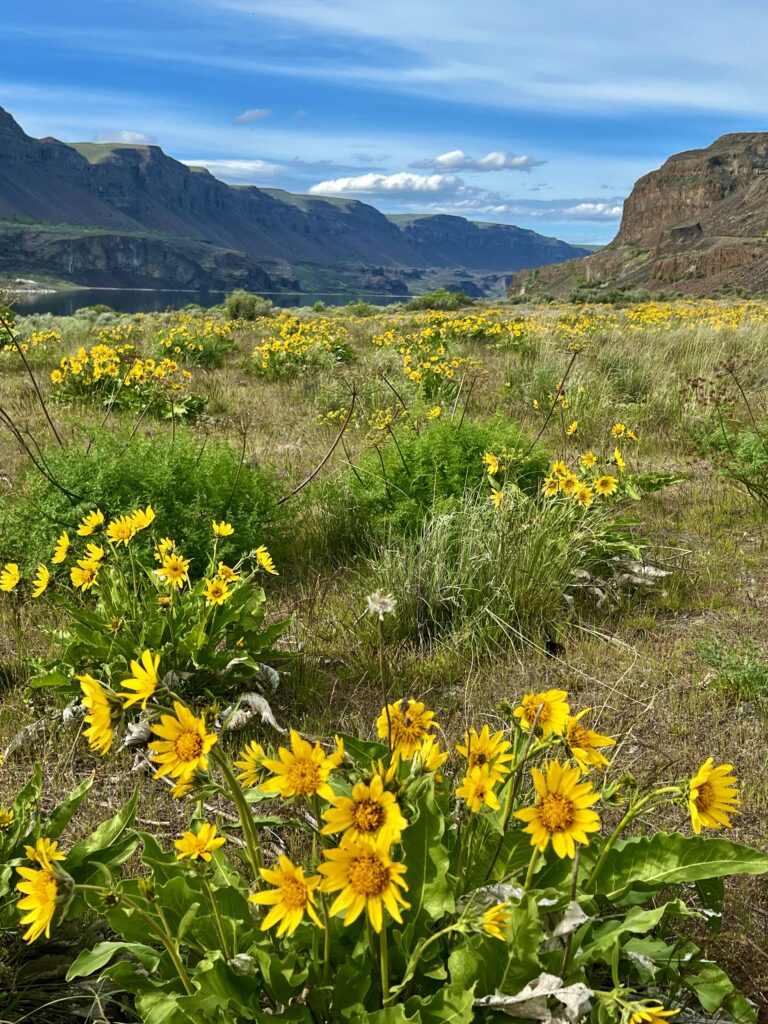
[
  {"x": 237, "y": 170},
  {"x": 249, "y": 116},
  {"x": 457, "y": 160},
  {"x": 131, "y": 138}
]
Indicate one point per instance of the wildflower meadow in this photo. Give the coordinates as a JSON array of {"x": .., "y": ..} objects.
[{"x": 385, "y": 665}]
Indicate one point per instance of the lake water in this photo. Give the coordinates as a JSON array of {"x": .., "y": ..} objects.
[{"x": 137, "y": 300}]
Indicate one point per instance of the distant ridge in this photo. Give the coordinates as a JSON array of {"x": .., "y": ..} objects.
[
  {"x": 698, "y": 226},
  {"x": 122, "y": 215}
]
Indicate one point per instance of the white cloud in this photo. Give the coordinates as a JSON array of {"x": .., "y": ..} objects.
[
  {"x": 592, "y": 211},
  {"x": 237, "y": 170},
  {"x": 131, "y": 138},
  {"x": 388, "y": 184},
  {"x": 457, "y": 160},
  {"x": 249, "y": 116}
]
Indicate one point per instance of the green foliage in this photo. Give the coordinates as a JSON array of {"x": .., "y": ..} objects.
[
  {"x": 187, "y": 482},
  {"x": 743, "y": 456},
  {"x": 242, "y": 305},
  {"x": 440, "y": 299},
  {"x": 741, "y": 669},
  {"x": 491, "y": 927},
  {"x": 397, "y": 485},
  {"x": 205, "y": 649},
  {"x": 361, "y": 309}
]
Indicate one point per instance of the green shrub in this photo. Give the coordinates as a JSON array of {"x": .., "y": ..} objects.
[
  {"x": 187, "y": 482},
  {"x": 440, "y": 299},
  {"x": 242, "y": 305},
  {"x": 360, "y": 309},
  {"x": 395, "y": 486}
]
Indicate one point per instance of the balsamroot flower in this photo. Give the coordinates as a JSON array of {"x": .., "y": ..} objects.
[
  {"x": 370, "y": 813},
  {"x": 477, "y": 789},
  {"x": 250, "y": 765},
  {"x": 9, "y": 577},
  {"x": 561, "y": 814},
  {"x": 143, "y": 682},
  {"x": 552, "y": 709},
  {"x": 90, "y": 523},
  {"x": 485, "y": 750},
  {"x": 712, "y": 796},
  {"x": 584, "y": 743},
  {"x": 369, "y": 881},
  {"x": 292, "y": 897},
  {"x": 496, "y": 920},
  {"x": 301, "y": 771},
  {"x": 41, "y": 581},
  {"x": 182, "y": 745},
  {"x": 405, "y": 725},
  {"x": 61, "y": 548},
  {"x": 200, "y": 845},
  {"x": 99, "y": 717}
]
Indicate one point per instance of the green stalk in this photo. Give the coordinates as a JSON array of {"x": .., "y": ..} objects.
[
  {"x": 323, "y": 901},
  {"x": 384, "y": 960},
  {"x": 244, "y": 813},
  {"x": 217, "y": 917},
  {"x": 415, "y": 959},
  {"x": 531, "y": 868},
  {"x": 631, "y": 814},
  {"x": 163, "y": 935}
]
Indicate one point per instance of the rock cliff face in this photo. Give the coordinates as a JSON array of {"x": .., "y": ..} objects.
[
  {"x": 696, "y": 225},
  {"x": 128, "y": 190}
]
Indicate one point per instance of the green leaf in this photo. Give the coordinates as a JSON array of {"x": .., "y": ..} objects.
[
  {"x": 106, "y": 835},
  {"x": 636, "y": 922},
  {"x": 29, "y": 795},
  {"x": 55, "y": 679},
  {"x": 670, "y": 858},
  {"x": 428, "y": 862},
  {"x": 363, "y": 751},
  {"x": 62, "y": 814},
  {"x": 92, "y": 960}
]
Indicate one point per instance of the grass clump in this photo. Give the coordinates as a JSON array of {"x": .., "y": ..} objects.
[
  {"x": 187, "y": 483},
  {"x": 483, "y": 578}
]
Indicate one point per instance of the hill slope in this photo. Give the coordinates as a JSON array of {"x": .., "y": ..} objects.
[
  {"x": 696, "y": 225},
  {"x": 172, "y": 225}
]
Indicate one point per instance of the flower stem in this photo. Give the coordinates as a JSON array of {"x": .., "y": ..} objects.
[
  {"x": 384, "y": 961},
  {"x": 531, "y": 868},
  {"x": 629, "y": 817},
  {"x": 217, "y": 918},
  {"x": 243, "y": 811},
  {"x": 323, "y": 901}
]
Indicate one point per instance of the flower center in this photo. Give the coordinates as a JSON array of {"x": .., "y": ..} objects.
[
  {"x": 367, "y": 876},
  {"x": 577, "y": 737},
  {"x": 478, "y": 760},
  {"x": 293, "y": 894},
  {"x": 532, "y": 705},
  {"x": 304, "y": 777},
  {"x": 189, "y": 746},
  {"x": 705, "y": 798},
  {"x": 368, "y": 816},
  {"x": 556, "y": 812},
  {"x": 46, "y": 889}
]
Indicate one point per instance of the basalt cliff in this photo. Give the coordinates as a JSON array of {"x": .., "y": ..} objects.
[
  {"x": 118, "y": 215},
  {"x": 697, "y": 226}
]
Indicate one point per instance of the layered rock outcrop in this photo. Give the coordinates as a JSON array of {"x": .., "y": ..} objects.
[{"x": 697, "y": 225}]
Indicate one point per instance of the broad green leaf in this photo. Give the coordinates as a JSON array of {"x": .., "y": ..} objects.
[
  {"x": 29, "y": 795},
  {"x": 62, "y": 815},
  {"x": 427, "y": 860},
  {"x": 715, "y": 990},
  {"x": 106, "y": 835},
  {"x": 604, "y": 939},
  {"x": 363, "y": 751},
  {"x": 92, "y": 960},
  {"x": 670, "y": 858}
]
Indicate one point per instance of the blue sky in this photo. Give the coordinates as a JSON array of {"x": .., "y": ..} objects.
[{"x": 539, "y": 114}]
